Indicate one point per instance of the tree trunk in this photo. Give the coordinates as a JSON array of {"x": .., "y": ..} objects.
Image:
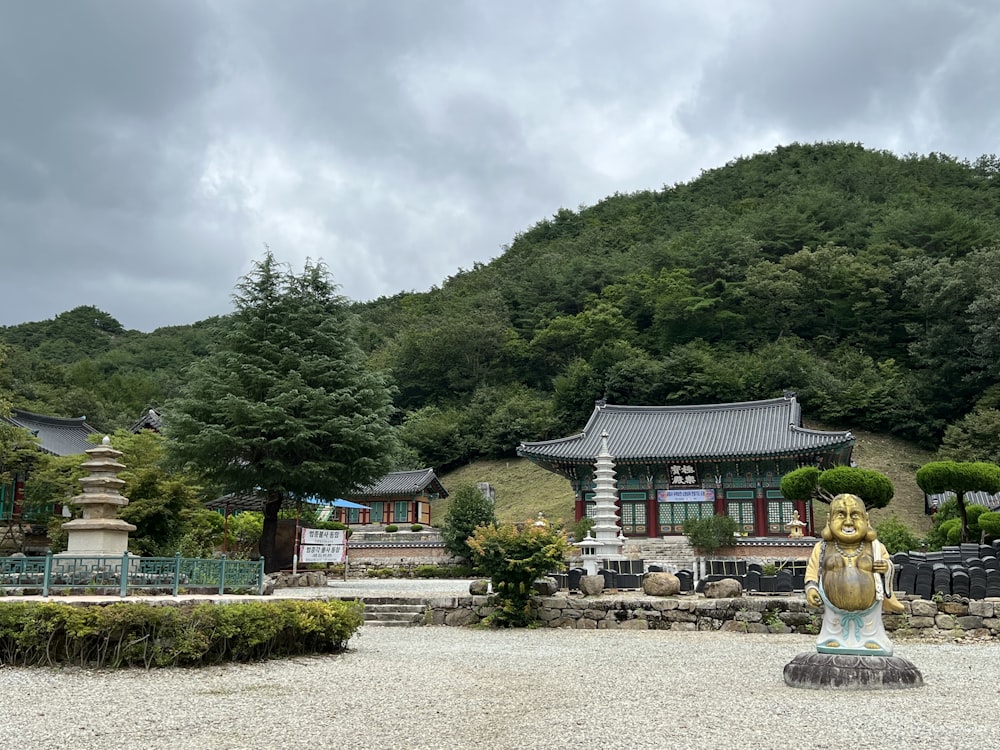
[
  {"x": 963, "y": 515},
  {"x": 270, "y": 530}
]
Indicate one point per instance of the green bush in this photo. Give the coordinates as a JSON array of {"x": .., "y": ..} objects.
[
  {"x": 514, "y": 557},
  {"x": 443, "y": 571},
  {"x": 416, "y": 527},
  {"x": 710, "y": 534},
  {"x": 896, "y": 536},
  {"x": 947, "y": 529},
  {"x": 582, "y": 527},
  {"x": 381, "y": 573},
  {"x": 139, "y": 635},
  {"x": 391, "y": 528}
]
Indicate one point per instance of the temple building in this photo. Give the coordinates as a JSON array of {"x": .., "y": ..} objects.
[
  {"x": 60, "y": 436},
  {"x": 400, "y": 497},
  {"x": 678, "y": 462}
]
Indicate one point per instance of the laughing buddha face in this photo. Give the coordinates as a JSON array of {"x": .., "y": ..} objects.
[{"x": 848, "y": 521}]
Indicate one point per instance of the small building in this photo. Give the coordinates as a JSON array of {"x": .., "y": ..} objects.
[
  {"x": 678, "y": 462},
  {"x": 987, "y": 500},
  {"x": 60, "y": 436},
  {"x": 400, "y": 497}
]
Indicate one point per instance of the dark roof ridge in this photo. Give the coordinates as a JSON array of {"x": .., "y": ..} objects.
[
  {"x": 706, "y": 407},
  {"x": 811, "y": 431},
  {"x": 47, "y": 419}
]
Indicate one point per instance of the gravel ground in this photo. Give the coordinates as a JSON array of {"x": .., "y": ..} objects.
[
  {"x": 467, "y": 688},
  {"x": 438, "y": 687}
]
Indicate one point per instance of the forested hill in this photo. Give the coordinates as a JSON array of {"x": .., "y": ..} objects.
[{"x": 867, "y": 282}]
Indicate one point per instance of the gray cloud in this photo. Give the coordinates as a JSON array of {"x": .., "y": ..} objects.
[{"x": 149, "y": 150}]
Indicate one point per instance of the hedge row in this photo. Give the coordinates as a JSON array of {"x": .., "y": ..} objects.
[{"x": 141, "y": 635}]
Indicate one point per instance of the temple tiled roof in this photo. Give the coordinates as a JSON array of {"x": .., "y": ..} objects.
[
  {"x": 57, "y": 435},
  {"x": 933, "y": 502},
  {"x": 151, "y": 420},
  {"x": 404, "y": 483},
  {"x": 769, "y": 428}
]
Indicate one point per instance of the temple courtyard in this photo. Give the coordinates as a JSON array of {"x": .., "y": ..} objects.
[{"x": 447, "y": 687}]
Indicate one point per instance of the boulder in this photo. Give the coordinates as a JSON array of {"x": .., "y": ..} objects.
[
  {"x": 661, "y": 584},
  {"x": 479, "y": 587},
  {"x": 546, "y": 586},
  {"x": 727, "y": 588},
  {"x": 591, "y": 585}
]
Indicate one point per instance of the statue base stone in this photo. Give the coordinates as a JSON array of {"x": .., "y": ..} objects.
[{"x": 847, "y": 672}]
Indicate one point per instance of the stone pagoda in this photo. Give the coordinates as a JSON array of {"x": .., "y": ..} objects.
[
  {"x": 605, "y": 540},
  {"x": 99, "y": 532}
]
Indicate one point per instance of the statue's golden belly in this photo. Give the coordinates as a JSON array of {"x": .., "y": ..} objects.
[{"x": 849, "y": 587}]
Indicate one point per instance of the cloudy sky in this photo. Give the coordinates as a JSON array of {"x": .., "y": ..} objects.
[{"x": 149, "y": 150}]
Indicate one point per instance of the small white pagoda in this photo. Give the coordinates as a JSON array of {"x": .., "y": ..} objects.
[
  {"x": 99, "y": 532},
  {"x": 605, "y": 540}
]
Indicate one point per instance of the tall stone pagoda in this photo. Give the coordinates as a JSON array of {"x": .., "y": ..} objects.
[{"x": 99, "y": 532}]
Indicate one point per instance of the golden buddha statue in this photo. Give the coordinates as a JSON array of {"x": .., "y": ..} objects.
[{"x": 850, "y": 573}]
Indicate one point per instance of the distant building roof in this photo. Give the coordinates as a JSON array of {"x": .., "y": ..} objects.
[
  {"x": 397, "y": 483},
  {"x": 60, "y": 436},
  {"x": 747, "y": 429},
  {"x": 933, "y": 502},
  {"x": 151, "y": 420},
  {"x": 404, "y": 483}
]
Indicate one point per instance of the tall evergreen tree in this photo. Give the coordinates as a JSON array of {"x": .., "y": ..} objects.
[{"x": 285, "y": 405}]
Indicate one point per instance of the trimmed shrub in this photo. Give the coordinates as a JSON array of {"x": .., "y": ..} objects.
[
  {"x": 710, "y": 534},
  {"x": 416, "y": 527},
  {"x": 140, "y": 635},
  {"x": 391, "y": 528}
]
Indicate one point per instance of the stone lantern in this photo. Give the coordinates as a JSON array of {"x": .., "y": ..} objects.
[{"x": 99, "y": 531}]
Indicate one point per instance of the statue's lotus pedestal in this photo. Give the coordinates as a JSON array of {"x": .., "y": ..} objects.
[{"x": 849, "y": 672}]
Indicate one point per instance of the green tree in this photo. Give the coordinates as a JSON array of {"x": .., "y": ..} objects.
[
  {"x": 874, "y": 488},
  {"x": 938, "y": 477},
  {"x": 469, "y": 510},
  {"x": 801, "y": 484},
  {"x": 989, "y": 525},
  {"x": 974, "y": 437},
  {"x": 285, "y": 405},
  {"x": 514, "y": 557},
  {"x": 710, "y": 534},
  {"x": 895, "y": 535}
]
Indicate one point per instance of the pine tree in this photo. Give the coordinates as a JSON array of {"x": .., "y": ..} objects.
[
  {"x": 469, "y": 509},
  {"x": 285, "y": 406}
]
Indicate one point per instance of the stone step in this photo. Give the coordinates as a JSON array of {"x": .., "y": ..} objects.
[
  {"x": 393, "y": 611},
  {"x": 404, "y": 608},
  {"x": 389, "y": 624},
  {"x": 394, "y": 617}
]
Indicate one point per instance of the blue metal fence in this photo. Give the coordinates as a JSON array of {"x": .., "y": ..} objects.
[{"x": 90, "y": 573}]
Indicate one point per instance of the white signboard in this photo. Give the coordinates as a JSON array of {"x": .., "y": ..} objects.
[
  {"x": 335, "y": 553},
  {"x": 322, "y": 536},
  {"x": 685, "y": 496}
]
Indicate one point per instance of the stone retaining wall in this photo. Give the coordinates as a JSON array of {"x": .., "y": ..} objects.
[{"x": 922, "y": 619}]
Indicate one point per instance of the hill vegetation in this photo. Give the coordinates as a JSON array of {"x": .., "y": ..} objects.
[{"x": 867, "y": 282}]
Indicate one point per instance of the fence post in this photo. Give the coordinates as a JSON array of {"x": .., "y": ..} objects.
[
  {"x": 177, "y": 572},
  {"x": 47, "y": 575},
  {"x": 260, "y": 576},
  {"x": 123, "y": 583},
  {"x": 222, "y": 574}
]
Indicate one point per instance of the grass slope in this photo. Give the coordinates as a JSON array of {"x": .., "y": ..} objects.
[{"x": 523, "y": 489}]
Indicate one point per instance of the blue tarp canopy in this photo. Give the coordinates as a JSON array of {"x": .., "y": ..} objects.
[{"x": 338, "y": 503}]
